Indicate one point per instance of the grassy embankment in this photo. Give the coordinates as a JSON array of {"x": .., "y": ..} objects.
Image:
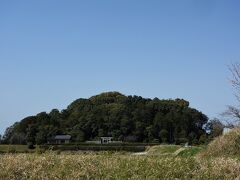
[{"x": 14, "y": 149}]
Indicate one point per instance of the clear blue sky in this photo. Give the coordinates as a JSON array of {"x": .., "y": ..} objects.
[{"x": 53, "y": 52}]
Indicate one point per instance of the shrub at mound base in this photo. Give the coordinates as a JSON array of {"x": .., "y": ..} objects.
[{"x": 225, "y": 145}]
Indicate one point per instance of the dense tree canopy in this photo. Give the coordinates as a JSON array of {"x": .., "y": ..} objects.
[{"x": 127, "y": 118}]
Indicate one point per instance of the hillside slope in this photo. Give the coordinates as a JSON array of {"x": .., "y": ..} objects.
[{"x": 225, "y": 145}]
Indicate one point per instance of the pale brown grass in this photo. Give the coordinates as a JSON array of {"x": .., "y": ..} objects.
[
  {"x": 114, "y": 166},
  {"x": 227, "y": 145}
]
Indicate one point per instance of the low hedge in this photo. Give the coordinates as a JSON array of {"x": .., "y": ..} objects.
[
  {"x": 111, "y": 144},
  {"x": 93, "y": 148}
]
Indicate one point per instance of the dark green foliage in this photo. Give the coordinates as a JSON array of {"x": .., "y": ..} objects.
[
  {"x": 163, "y": 135},
  {"x": 31, "y": 146},
  {"x": 215, "y": 126},
  {"x": 126, "y": 118}
]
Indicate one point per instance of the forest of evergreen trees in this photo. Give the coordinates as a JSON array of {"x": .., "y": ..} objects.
[{"x": 126, "y": 118}]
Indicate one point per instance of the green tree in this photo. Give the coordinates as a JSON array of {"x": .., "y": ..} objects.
[
  {"x": 41, "y": 138},
  {"x": 149, "y": 133},
  {"x": 31, "y": 134},
  {"x": 18, "y": 138},
  {"x": 130, "y": 118},
  {"x": 101, "y": 133},
  {"x": 163, "y": 135},
  {"x": 80, "y": 136},
  {"x": 215, "y": 127},
  {"x": 192, "y": 138}
]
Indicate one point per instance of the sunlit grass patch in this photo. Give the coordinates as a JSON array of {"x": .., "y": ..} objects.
[
  {"x": 190, "y": 151},
  {"x": 163, "y": 149}
]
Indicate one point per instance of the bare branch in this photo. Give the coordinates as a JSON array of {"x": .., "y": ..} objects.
[
  {"x": 235, "y": 80},
  {"x": 233, "y": 111}
]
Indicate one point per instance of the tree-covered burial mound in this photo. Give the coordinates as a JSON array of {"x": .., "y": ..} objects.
[{"x": 126, "y": 118}]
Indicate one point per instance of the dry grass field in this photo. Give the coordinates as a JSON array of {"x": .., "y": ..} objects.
[
  {"x": 115, "y": 166},
  {"x": 217, "y": 161}
]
